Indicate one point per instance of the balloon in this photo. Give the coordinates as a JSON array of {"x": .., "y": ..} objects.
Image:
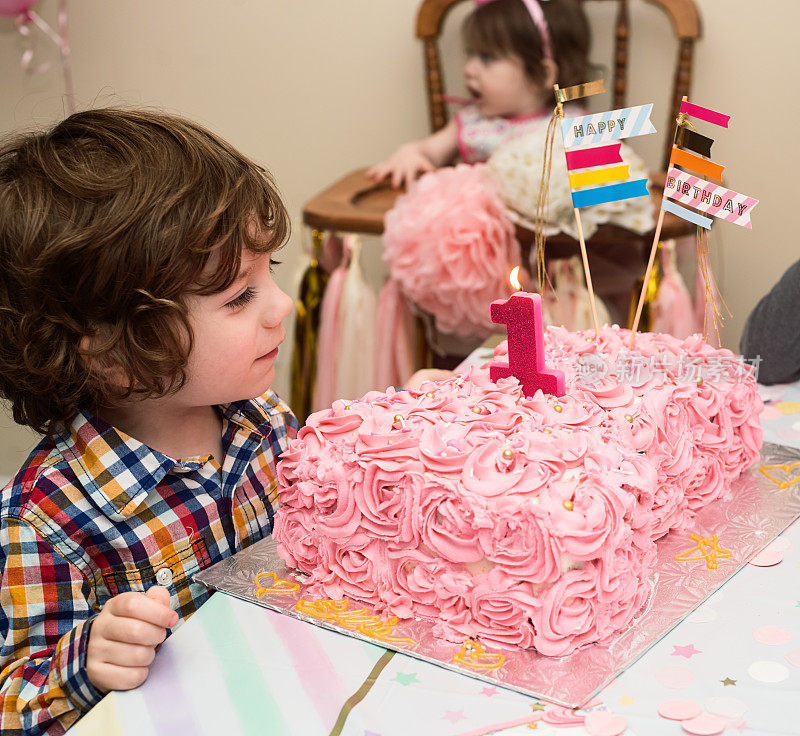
[{"x": 15, "y": 7}]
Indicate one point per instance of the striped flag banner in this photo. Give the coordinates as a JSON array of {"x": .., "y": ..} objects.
[
  {"x": 701, "y": 166},
  {"x": 713, "y": 199},
  {"x": 686, "y": 214},
  {"x": 584, "y": 158},
  {"x": 580, "y": 90},
  {"x": 602, "y": 127},
  {"x": 688, "y": 138},
  {"x": 610, "y": 193},
  {"x": 704, "y": 113}
]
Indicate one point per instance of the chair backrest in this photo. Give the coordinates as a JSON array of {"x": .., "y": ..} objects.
[{"x": 684, "y": 18}]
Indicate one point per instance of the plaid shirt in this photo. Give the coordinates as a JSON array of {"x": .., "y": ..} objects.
[{"x": 94, "y": 513}]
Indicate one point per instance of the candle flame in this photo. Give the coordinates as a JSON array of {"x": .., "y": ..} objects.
[{"x": 513, "y": 277}]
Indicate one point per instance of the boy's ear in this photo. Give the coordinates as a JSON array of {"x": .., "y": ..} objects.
[
  {"x": 550, "y": 73},
  {"x": 102, "y": 365}
]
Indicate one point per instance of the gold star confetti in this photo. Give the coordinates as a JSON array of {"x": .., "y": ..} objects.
[
  {"x": 787, "y": 481},
  {"x": 728, "y": 681},
  {"x": 706, "y": 549},
  {"x": 626, "y": 700},
  {"x": 537, "y": 706}
]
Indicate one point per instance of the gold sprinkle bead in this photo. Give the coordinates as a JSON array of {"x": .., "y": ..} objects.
[
  {"x": 699, "y": 381},
  {"x": 547, "y": 431},
  {"x": 558, "y": 408},
  {"x": 398, "y": 417},
  {"x": 508, "y": 454},
  {"x": 347, "y": 407},
  {"x": 629, "y": 417},
  {"x": 568, "y": 505},
  {"x": 477, "y": 409},
  {"x": 430, "y": 395}
]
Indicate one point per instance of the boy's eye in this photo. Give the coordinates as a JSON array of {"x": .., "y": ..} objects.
[
  {"x": 486, "y": 58},
  {"x": 243, "y": 298}
]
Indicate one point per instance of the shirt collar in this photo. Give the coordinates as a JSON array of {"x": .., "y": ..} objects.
[{"x": 118, "y": 471}]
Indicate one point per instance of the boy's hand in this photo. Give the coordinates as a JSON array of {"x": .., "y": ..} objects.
[
  {"x": 403, "y": 166},
  {"x": 124, "y": 636}
]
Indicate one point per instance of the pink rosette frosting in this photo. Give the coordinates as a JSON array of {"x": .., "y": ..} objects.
[
  {"x": 449, "y": 524},
  {"x": 411, "y": 585},
  {"x": 522, "y": 546},
  {"x": 569, "y": 614},
  {"x": 500, "y": 610},
  {"x": 297, "y": 544},
  {"x": 386, "y": 503},
  {"x": 488, "y": 473}
]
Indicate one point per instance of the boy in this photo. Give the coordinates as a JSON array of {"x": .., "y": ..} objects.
[{"x": 139, "y": 326}]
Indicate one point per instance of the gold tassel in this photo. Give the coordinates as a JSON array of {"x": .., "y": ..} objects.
[
  {"x": 306, "y": 331},
  {"x": 543, "y": 201},
  {"x": 713, "y": 295}
]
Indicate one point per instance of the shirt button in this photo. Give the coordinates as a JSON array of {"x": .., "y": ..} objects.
[{"x": 164, "y": 576}]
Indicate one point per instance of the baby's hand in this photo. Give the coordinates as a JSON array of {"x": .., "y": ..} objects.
[
  {"x": 124, "y": 636},
  {"x": 403, "y": 166},
  {"x": 426, "y": 374}
]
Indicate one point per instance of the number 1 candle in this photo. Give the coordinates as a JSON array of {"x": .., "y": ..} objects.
[{"x": 521, "y": 313}]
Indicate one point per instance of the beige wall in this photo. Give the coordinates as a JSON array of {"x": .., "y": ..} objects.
[{"x": 314, "y": 88}]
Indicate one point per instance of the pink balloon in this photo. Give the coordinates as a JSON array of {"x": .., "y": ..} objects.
[{"x": 15, "y": 7}]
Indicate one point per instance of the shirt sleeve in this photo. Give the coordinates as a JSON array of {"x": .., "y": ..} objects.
[
  {"x": 45, "y": 618},
  {"x": 772, "y": 331}
]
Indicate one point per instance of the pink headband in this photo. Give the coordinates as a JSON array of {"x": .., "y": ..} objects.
[{"x": 538, "y": 18}]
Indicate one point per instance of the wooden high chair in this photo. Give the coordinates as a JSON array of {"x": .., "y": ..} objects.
[{"x": 355, "y": 204}]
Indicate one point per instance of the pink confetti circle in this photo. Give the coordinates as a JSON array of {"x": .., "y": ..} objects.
[
  {"x": 790, "y": 435},
  {"x": 773, "y": 635},
  {"x": 679, "y": 710},
  {"x": 770, "y": 413},
  {"x": 731, "y": 709},
  {"x": 782, "y": 544},
  {"x": 767, "y": 558},
  {"x": 793, "y": 657},
  {"x": 675, "y": 677},
  {"x": 704, "y": 725},
  {"x": 602, "y": 723}
]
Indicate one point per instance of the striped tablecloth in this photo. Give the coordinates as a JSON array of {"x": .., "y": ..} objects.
[{"x": 237, "y": 668}]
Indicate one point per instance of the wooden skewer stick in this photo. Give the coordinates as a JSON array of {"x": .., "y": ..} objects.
[
  {"x": 653, "y": 251},
  {"x": 587, "y": 273}
]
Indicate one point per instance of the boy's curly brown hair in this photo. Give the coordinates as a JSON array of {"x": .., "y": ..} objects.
[
  {"x": 505, "y": 28},
  {"x": 107, "y": 222}
]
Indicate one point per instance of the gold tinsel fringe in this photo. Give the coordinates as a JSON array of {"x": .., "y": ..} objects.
[
  {"x": 713, "y": 295},
  {"x": 543, "y": 201}
]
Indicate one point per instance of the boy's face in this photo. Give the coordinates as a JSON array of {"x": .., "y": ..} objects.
[{"x": 236, "y": 337}]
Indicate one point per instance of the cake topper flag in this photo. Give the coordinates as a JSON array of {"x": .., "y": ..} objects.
[
  {"x": 597, "y": 174},
  {"x": 689, "y": 195}
]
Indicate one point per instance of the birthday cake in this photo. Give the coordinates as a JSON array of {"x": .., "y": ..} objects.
[{"x": 519, "y": 521}]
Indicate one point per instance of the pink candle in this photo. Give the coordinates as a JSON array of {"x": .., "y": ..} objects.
[{"x": 521, "y": 313}]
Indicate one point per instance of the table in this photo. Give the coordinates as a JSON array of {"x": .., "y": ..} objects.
[{"x": 237, "y": 668}]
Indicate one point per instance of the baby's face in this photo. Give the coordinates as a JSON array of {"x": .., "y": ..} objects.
[
  {"x": 499, "y": 87},
  {"x": 236, "y": 336}
]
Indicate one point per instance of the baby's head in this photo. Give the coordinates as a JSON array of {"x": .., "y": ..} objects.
[
  {"x": 112, "y": 224},
  {"x": 506, "y": 31}
]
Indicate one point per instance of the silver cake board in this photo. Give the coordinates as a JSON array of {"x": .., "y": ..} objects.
[{"x": 762, "y": 503}]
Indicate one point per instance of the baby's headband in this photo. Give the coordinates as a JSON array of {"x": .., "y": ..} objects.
[{"x": 538, "y": 18}]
